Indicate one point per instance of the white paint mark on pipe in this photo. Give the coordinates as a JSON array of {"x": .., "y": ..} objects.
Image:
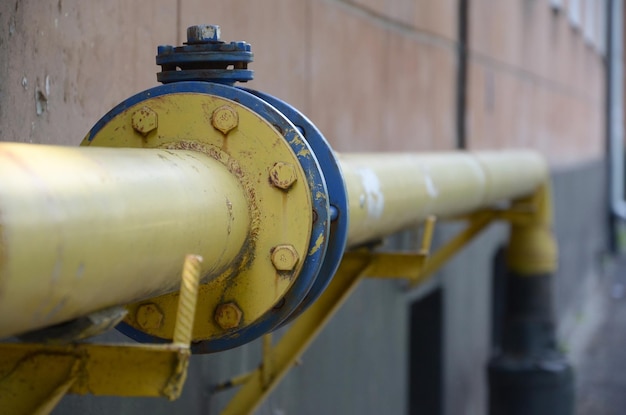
[
  {"x": 431, "y": 189},
  {"x": 375, "y": 200}
]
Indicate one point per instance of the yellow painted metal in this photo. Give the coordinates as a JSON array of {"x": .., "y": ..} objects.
[
  {"x": 232, "y": 382},
  {"x": 388, "y": 192},
  {"x": 24, "y": 389},
  {"x": 477, "y": 223},
  {"x": 275, "y": 190},
  {"x": 34, "y": 377},
  {"x": 99, "y": 369},
  {"x": 532, "y": 249},
  {"x": 427, "y": 237},
  {"x": 267, "y": 365},
  {"x": 83, "y": 229},
  {"x": 300, "y": 334},
  {"x": 187, "y": 300},
  {"x": 356, "y": 265}
]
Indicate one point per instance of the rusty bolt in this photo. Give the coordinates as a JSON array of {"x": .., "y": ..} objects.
[
  {"x": 228, "y": 315},
  {"x": 225, "y": 118},
  {"x": 148, "y": 316},
  {"x": 283, "y": 175},
  {"x": 203, "y": 33},
  {"x": 144, "y": 120},
  {"x": 284, "y": 257}
]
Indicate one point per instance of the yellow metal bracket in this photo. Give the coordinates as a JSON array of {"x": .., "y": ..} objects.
[
  {"x": 34, "y": 377},
  {"x": 415, "y": 267}
]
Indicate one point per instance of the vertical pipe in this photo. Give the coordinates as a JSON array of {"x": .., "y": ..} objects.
[
  {"x": 461, "y": 74},
  {"x": 528, "y": 375},
  {"x": 615, "y": 112}
]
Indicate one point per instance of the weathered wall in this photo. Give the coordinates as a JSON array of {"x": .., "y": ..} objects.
[
  {"x": 76, "y": 59},
  {"x": 374, "y": 76},
  {"x": 536, "y": 80},
  {"x": 345, "y": 65}
]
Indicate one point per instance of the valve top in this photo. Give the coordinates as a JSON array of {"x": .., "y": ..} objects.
[
  {"x": 203, "y": 34},
  {"x": 205, "y": 57}
]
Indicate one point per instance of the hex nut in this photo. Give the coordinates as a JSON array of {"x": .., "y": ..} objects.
[
  {"x": 284, "y": 257},
  {"x": 228, "y": 315},
  {"x": 149, "y": 316},
  {"x": 144, "y": 120},
  {"x": 283, "y": 175},
  {"x": 203, "y": 33},
  {"x": 225, "y": 118}
]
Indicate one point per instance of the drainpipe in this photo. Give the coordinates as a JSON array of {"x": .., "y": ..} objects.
[
  {"x": 529, "y": 375},
  {"x": 615, "y": 103}
]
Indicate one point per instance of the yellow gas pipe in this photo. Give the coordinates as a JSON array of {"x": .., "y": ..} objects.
[
  {"x": 77, "y": 222},
  {"x": 388, "y": 192},
  {"x": 88, "y": 228}
]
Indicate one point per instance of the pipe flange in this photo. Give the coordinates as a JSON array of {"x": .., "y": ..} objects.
[
  {"x": 337, "y": 193},
  {"x": 278, "y": 172},
  {"x": 205, "y": 57}
]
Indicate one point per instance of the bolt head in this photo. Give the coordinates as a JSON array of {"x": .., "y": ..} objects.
[
  {"x": 283, "y": 175},
  {"x": 225, "y": 118},
  {"x": 144, "y": 120},
  {"x": 149, "y": 316},
  {"x": 284, "y": 257},
  {"x": 228, "y": 315},
  {"x": 203, "y": 33}
]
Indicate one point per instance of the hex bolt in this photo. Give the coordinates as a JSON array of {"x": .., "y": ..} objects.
[
  {"x": 228, "y": 315},
  {"x": 284, "y": 257},
  {"x": 225, "y": 118},
  {"x": 283, "y": 175},
  {"x": 144, "y": 120},
  {"x": 149, "y": 316},
  {"x": 203, "y": 33}
]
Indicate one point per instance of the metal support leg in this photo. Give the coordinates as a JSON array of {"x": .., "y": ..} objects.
[{"x": 301, "y": 333}]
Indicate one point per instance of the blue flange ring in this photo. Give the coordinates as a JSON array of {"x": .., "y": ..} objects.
[
  {"x": 337, "y": 194},
  {"x": 320, "y": 228}
]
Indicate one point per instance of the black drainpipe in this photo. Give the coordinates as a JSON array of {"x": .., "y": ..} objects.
[{"x": 461, "y": 75}]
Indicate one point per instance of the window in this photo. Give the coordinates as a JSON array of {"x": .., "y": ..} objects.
[
  {"x": 556, "y": 4},
  {"x": 601, "y": 25},
  {"x": 589, "y": 28},
  {"x": 573, "y": 11}
]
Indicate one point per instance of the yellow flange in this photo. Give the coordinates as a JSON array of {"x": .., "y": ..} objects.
[{"x": 275, "y": 188}]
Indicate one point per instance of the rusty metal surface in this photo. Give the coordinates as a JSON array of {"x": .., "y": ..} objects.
[{"x": 276, "y": 193}]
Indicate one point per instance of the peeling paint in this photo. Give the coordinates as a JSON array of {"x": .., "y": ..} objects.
[
  {"x": 80, "y": 271},
  {"x": 55, "y": 310},
  {"x": 318, "y": 243},
  {"x": 373, "y": 195},
  {"x": 229, "y": 207},
  {"x": 431, "y": 188},
  {"x": 41, "y": 97}
]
